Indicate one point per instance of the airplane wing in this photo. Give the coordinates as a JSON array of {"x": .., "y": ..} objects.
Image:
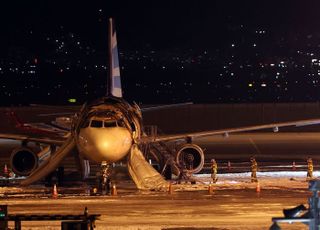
[
  {"x": 27, "y": 138},
  {"x": 152, "y": 108},
  {"x": 190, "y": 136}
]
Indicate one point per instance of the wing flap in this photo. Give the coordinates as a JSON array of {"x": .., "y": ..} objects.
[{"x": 52, "y": 163}]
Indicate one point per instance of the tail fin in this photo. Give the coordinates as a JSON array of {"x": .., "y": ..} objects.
[{"x": 114, "y": 83}]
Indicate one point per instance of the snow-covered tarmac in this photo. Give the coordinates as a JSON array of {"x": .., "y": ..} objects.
[{"x": 234, "y": 204}]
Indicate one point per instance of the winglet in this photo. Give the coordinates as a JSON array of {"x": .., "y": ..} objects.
[{"x": 114, "y": 83}]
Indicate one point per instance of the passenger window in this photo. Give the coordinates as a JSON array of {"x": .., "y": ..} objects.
[
  {"x": 109, "y": 124},
  {"x": 96, "y": 124}
]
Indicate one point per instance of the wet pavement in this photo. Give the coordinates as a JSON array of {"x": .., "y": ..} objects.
[{"x": 189, "y": 206}]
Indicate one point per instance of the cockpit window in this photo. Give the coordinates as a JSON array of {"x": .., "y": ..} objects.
[
  {"x": 109, "y": 124},
  {"x": 96, "y": 124}
]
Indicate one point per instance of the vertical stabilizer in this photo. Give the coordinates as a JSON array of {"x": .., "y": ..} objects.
[{"x": 114, "y": 83}]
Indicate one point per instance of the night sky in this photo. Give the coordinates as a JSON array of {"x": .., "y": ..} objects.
[
  {"x": 163, "y": 24},
  {"x": 197, "y": 37}
]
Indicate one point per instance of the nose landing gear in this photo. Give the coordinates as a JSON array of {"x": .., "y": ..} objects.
[{"x": 105, "y": 182}]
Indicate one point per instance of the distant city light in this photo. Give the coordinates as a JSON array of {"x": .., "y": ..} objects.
[{"x": 217, "y": 67}]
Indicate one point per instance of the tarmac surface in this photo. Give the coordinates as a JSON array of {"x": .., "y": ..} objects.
[{"x": 235, "y": 203}]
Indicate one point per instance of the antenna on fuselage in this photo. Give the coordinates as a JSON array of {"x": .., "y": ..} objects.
[{"x": 114, "y": 80}]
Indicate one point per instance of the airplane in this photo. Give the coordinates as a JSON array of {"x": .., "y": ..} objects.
[{"x": 109, "y": 129}]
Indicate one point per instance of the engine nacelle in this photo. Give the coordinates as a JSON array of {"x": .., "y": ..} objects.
[
  {"x": 191, "y": 157},
  {"x": 23, "y": 161}
]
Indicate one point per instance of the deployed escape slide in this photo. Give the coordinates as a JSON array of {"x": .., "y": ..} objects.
[{"x": 143, "y": 174}]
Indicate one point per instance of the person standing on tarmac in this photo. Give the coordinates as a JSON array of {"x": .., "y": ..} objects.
[
  {"x": 214, "y": 170},
  {"x": 254, "y": 169},
  {"x": 310, "y": 169}
]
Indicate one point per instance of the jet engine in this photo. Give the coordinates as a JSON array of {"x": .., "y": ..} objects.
[
  {"x": 24, "y": 160},
  {"x": 190, "y": 157}
]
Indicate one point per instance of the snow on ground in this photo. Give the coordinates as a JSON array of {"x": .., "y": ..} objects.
[
  {"x": 267, "y": 180},
  {"x": 277, "y": 174}
]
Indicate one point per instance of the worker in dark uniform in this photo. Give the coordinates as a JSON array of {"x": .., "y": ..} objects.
[
  {"x": 254, "y": 169},
  {"x": 105, "y": 178},
  {"x": 310, "y": 169},
  {"x": 214, "y": 170}
]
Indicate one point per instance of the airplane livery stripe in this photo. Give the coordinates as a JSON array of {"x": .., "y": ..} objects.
[
  {"x": 115, "y": 55},
  {"x": 116, "y": 80},
  {"x": 116, "y": 72},
  {"x": 115, "y": 62},
  {"x": 117, "y": 92},
  {"x": 114, "y": 40}
]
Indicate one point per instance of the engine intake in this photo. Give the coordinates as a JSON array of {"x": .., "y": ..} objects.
[
  {"x": 191, "y": 157},
  {"x": 23, "y": 161}
]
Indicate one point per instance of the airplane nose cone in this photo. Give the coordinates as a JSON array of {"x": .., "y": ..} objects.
[{"x": 105, "y": 144}]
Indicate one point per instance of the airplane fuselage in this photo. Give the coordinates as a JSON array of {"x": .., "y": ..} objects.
[{"x": 106, "y": 129}]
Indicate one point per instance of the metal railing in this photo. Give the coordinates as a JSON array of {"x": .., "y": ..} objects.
[{"x": 301, "y": 214}]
